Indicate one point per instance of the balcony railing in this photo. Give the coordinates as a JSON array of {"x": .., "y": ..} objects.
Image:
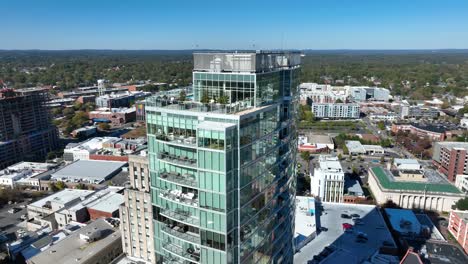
[
  {"x": 192, "y": 254},
  {"x": 181, "y": 233},
  {"x": 182, "y": 160},
  {"x": 179, "y": 139},
  {"x": 186, "y": 179},
  {"x": 189, "y": 198},
  {"x": 181, "y": 215}
]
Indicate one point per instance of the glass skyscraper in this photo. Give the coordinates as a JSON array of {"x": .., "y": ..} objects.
[{"x": 222, "y": 166}]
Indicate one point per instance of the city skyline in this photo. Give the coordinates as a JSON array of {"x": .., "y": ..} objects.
[{"x": 149, "y": 25}]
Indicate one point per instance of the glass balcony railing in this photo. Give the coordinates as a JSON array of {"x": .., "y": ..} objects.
[
  {"x": 189, "y": 198},
  {"x": 181, "y": 233},
  {"x": 182, "y": 160},
  {"x": 181, "y": 216},
  {"x": 186, "y": 179},
  {"x": 191, "y": 254},
  {"x": 179, "y": 139}
]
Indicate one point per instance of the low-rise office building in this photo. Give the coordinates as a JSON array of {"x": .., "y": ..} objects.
[
  {"x": 116, "y": 117},
  {"x": 83, "y": 150},
  {"x": 458, "y": 227},
  {"x": 115, "y": 100},
  {"x": 88, "y": 171},
  {"x": 327, "y": 180},
  {"x": 336, "y": 110},
  {"x": 25, "y": 173},
  {"x": 412, "y": 195},
  {"x": 356, "y": 148},
  {"x": 419, "y": 112}
]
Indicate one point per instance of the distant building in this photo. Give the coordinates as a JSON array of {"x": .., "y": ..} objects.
[
  {"x": 315, "y": 143},
  {"x": 356, "y": 148},
  {"x": 88, "y": 171},
  {"x": 364, "y": 93},
  {"x": 84, "y": 132},
  {"x": 419, "y": 112},
  {"x": 451, "y": 158},
  {"x": 98, "y": 242},
  {"x": 434, "y": 133},
  {"x": 26, "y": 130},
  {"x": 458, "y": 227},
  {"x": 327, "y": 180},
  {"x": 25, "y": 174},
  {"x": 138, "y": 210},
  {"x": 115, "y": 100},
  {"x": 83, "y": 150},
  {"x": 412, "y": 195},
  {"x": 336, "y": 110},
  {"x": 116, "y": 117}
]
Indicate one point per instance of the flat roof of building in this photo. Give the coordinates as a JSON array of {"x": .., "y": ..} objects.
[
  {"x": 305, "y": 218},
  {"x": 345, "y": 247},
  {"x": 403, "y": 220},
  {"x": 74, "y": 249},
  {"x": 386, "y": 182},
  {"x": 91, "y": 144},
  {"x": 319, "y": 139},
  {"x": 63, "y": 197},
  {"x": 89, "y": 170},
  {"x": 330, "y": 163},
  {"x": 354, "y": 146},
  {"x": 108, "y": 203},
  {"x": 406, "y": 161}
]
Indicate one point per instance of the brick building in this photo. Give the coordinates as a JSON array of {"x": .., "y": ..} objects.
[
  {"x": 458, "y": 227},
  {"x": 116, "y": 117},
  {"x": 451, "y": 158},
  {"x": 432, "y": 132}
]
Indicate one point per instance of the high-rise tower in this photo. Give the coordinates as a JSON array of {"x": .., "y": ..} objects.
[{"x": 222, "y": 167}]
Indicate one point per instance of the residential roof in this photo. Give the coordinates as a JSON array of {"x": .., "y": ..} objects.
[
  {"x": 384, "y": 180},
  {"x": 89, "y": 170}
]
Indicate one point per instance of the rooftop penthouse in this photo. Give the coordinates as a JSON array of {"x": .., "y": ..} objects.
[{"x": 251, "y": 62}]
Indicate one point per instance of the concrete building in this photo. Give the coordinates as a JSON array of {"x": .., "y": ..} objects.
[
  {"x": 115, "y": 100},
  {"x": 42, "y": 213},
  {"x": 25, "y": 174},
  {"x": 327, "y": 180},
  {"x": 461, "y": 183},
  {"x": 451, "y": 158},
  {"x": 364, "y": 93},
  {"x": 336, "y": 110},
  {"x": 136, "y": 213},
  {"x": 407, "y": 164},
  {"x": 84, "y": 132},
  {"x": 83, "y": 150},
  {"x": 88, "y": 171},
  {"x": 315, "y": 143},
  {"x": 116, "y": 117},
  {"x": 96, "y": 243},
  {"x": 26, "y": 130},
  {"x": 418, "y": 112},
  {"x": 412, "y": 195},
  {"x": 197, "y": 149},
  {"x": 458, "y": 227}
]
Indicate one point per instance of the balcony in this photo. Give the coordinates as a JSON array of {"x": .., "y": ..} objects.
[
  {"x": 184, "y": 179},
  {"x": 181, "y": 160},
  {"x": 178, "y": 139},
  {"x": 189, "y": 198},
  {"x": 181, "y": 216},
  {"x": 190, "y": 254},
  {"x": 180, "y": 231}
]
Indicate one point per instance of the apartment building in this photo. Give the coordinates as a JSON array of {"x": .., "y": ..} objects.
[
  {"x": 458, "y": 227},
  {"x": 451, "y": 158},
  {"x": 222, "y": 167},
  {"x": 336, "y": 110},
  {"x": 327, "y": 180}
]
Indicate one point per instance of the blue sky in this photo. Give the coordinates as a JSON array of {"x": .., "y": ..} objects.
[{"x": 235, "y": 24}]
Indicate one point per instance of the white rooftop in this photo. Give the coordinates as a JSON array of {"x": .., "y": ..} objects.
[
  {"x": 305, "y": 218},
  {"x": 355, "y": 146},
  {"x": 93, "y": 171},
  {"x": 330, "y": 163},
  {"x": 92, "y": 144},
  {"x": 107, "y": 203},
  {"x": 63, "y": 197}
]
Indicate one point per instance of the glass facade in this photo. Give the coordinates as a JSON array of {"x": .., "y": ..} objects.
[{"x": 223, "y": 185}]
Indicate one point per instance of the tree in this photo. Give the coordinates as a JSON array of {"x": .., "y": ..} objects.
[
  {"x": 461, "y": 204},
  {"x": 340, "y": 157},
  {"x": 381, "y": 125},
  {"x": 182, "y": 96},
  {"x": 104, "y": 126},
  {"x": 223, "y": 99},
  {"x": 60, "y": 185},
  {"x": 345, "y": 149},
  {"x": 382, "y": 160},
  {"x": 205, "y": 98},
  {"x": 305, "y": 156}
]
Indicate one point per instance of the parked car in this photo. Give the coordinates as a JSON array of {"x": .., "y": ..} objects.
[
  {"x": 324, "y": 229},
  {"x": 14, "y": 210}
]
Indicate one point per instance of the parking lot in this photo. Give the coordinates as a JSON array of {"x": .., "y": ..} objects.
[
  {"x": 338, "y": 246},
  {"x": 9, "y": 221}
]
